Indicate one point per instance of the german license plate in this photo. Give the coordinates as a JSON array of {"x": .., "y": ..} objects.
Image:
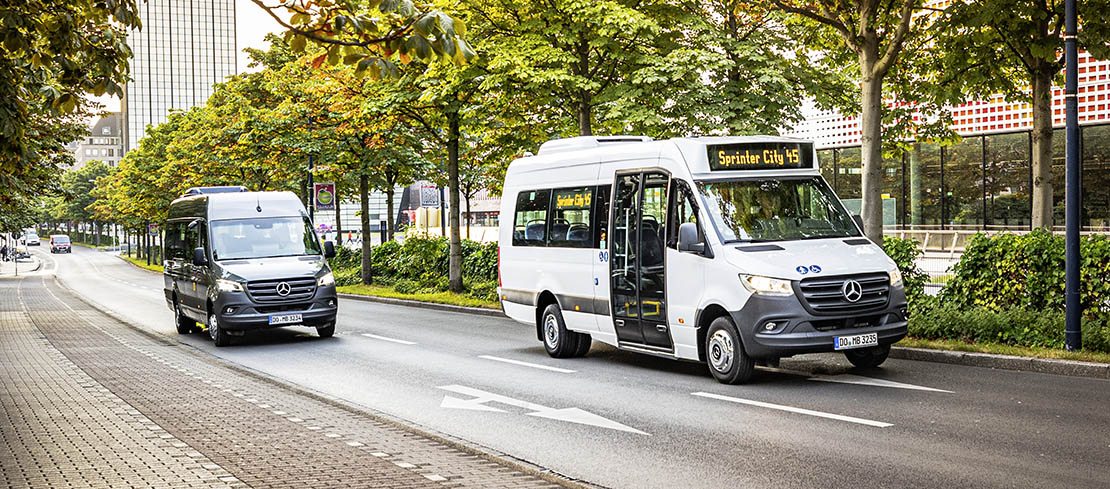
[
  {"x": 286, "y": 319},
  {"x": 855, "y": 341}
]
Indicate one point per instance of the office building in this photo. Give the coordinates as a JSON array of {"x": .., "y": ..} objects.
[
  {"x": 104, "y": 142},
  {"x": 182, "y": 49}
]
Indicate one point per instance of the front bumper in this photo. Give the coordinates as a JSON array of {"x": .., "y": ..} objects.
[
  {"x": 237, "y": 312},
  {"x": 798, "y": 331}
]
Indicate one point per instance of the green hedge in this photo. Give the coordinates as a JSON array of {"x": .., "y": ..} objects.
[
  {"x": 905, "y": 253},
  {"x": 1026, "y": 272},
  {"x": 1013, "y": 326},
  {"x": 420, "y": 264}
]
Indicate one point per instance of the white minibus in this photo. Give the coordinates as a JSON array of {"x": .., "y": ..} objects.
[{"x": 727, "y": 250}]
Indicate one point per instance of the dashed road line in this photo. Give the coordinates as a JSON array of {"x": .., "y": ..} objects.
[
  {"x": 527, "y": 364},
  {"x": 791, "y": 409},
  {"x": 384, "y": 338},
  {"x": 858, "y": 380}
]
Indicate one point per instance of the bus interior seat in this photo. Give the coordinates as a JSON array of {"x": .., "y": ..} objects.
[{"x": 535, "y": 231}]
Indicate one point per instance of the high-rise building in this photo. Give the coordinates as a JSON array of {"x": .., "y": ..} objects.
[
  {"x": 103, "y": 142},
  {"x": 182, "y": 49}
]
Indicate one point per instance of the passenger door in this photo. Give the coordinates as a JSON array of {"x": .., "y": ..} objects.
[{"x": 637, "y": 259}]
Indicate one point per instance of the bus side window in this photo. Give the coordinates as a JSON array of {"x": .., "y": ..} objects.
[
  {"x": 530, "y": 221},
  {"x": 601, "y": 217}
]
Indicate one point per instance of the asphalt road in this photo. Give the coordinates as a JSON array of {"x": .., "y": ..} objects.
[{"x": 620, "y": 419}]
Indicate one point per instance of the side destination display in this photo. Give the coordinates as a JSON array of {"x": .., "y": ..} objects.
[{"x": 760, "y": 156}]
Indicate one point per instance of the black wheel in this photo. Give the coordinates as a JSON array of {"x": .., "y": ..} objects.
[
  {"x": 219, "y": 336},
  {"x": 326, "y": 331},
  {"x": 584, "y": 343},
  {"x": 725, "y": 353},
  {"x": 184, "y": 324},
  {"x": 559, "y": 342},
  {"x": 868, "y": 357}
]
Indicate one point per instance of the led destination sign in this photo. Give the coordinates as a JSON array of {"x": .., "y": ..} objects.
[
  {"x": 760, "y": 156},
  {"x": 573, "y": 199}
]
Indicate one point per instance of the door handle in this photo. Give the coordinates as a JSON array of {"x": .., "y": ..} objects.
[
  {"x": 620, "y": 323},
  {"x": 661, "y": 328}
]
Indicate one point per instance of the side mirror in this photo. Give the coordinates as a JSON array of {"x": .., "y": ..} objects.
[
  {"x": 329, "y": 249},
  {"x": 199, "y": 259},
  {"x": 859, "y": 221},
  {"x": 688, "y": 239}
]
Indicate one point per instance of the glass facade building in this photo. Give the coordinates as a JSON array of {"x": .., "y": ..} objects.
[
  {"x": 182, "y": 49},
  {"x": 982, "y": 182}
]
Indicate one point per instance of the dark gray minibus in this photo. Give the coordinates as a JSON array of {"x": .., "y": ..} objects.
[{"x": 238, "y": 261}]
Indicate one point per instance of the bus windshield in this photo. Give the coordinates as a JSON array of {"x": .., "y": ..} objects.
[
  {"x": 264, "y": 237},
  {"x": 776, "y": 209}
]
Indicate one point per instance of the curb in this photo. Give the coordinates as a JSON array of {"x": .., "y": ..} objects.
[
  {"x": 1071, "y": 368},
  {"x": 424, "y": 305},
  {"x": 478, "y": 450}
]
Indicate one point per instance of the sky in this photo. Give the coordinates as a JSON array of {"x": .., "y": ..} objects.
[{"x": 251, "y": 26}]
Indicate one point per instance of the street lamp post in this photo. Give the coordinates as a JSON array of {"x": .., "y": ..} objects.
[{"x": 1073, "y": 334}]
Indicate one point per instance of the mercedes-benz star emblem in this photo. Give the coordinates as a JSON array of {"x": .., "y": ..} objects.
[
  {"x": 852, "y": 290},
  {"x": 283, "y": 289}
]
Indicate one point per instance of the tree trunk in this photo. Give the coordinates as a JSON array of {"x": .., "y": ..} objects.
[
  {"x": 1042, "y": 149},
  {"x": 585, "y": 116},
  {"x": 871, "y": 127},
  {"x": 364, "y": 196},
  {"x": 468, "y": 217},
  {"x": 391, "y": 220},
  {"x": 454, "y": 269}
]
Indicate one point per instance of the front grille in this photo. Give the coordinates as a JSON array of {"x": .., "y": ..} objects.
[
  {"x": 301, "y": 306},
  {"x": 848, "y": 322},
  {"x": 824, "y": 295},
  {"x": 266, "y": 290}
]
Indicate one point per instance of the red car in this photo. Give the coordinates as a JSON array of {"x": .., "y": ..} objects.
[{"x": 59, "y": 243}]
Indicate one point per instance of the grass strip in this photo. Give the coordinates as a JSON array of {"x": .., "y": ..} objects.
[
  {"x": 141, "y": 263},
  {"x": 450, "y": 298},
  {"x": 998, "y": 349}
]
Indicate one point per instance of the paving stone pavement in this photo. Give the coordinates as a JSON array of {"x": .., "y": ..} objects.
[{"x": 90, "y": 402}]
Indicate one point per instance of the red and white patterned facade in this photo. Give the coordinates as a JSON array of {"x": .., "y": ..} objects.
[{"x": 830, "y": 129}]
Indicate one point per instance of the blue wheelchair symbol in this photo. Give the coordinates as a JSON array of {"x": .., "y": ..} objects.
[{"x": 815, "y": 269}]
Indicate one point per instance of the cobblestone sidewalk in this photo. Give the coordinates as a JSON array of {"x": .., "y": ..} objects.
[{"x": 90, "y": 402}]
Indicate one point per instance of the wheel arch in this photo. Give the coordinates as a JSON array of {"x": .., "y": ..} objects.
[
  {"x": 703, "y": 320},
  {"x": 543, "y": 300}
]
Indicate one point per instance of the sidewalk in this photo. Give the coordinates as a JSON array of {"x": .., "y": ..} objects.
[
  {"x": 26, "y": 265},
  {"x": 90, "y": 402}
]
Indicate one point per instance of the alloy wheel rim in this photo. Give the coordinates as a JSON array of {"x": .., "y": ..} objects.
[
  {"x": 721, "y": 351},
  {"x": 213, "y": 327},
  {"x": 551, "y": 331}
]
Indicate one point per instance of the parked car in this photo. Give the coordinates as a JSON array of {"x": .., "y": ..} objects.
[
  {"x": 32, "y": 239},
  {"x": 59, "y": 243}
]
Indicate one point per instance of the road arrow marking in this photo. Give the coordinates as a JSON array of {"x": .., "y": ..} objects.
[
  {"x": 570, "y": 415},
  {"x": 856, "y": 379},
  {"x": 526, "y": 364},
  {"x": 791, "y": 409}
]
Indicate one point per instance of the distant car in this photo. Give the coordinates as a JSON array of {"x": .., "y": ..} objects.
[
  {"x": 32, "y": 239},
  {"x": 59, "y": 243}
]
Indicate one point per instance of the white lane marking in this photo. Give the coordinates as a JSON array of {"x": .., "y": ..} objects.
[
  {"x": 856, "y": 379},
  {"x": 526, "y": 364},
  {"x": 809, "y": 412},
  {"x": 570, "y": 415},
  {"x": 383, "y": 338}
]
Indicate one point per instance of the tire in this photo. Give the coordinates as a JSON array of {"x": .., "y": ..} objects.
[
  {"x": 184, "y": 324},
  {"x": 326, "y": 331},
  {"x": 584, "y": 343},
  {"x": 724, "y": 353},
  {"x": 557, "y": 340},
  {"x": 219, "y": 336},
  {"x": 868, "y": 357}
]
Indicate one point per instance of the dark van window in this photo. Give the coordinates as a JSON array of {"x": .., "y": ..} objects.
[
  {"x": 175, "y": 241},
  {"x": 530, "y": 221},
  {"x": 570, "y": 217}
]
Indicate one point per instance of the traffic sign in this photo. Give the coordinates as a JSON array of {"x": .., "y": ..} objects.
[
  {"x": 429, "y": 195},
  {"x": 324, "y": 196}
]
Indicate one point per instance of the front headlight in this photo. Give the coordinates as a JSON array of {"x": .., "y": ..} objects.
[
  {"x": 326, "y": 280},
  {"x": 759, "y": 284},
  {"x": 895, "y": 277},
  {"x": 229, "y": 285}
]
